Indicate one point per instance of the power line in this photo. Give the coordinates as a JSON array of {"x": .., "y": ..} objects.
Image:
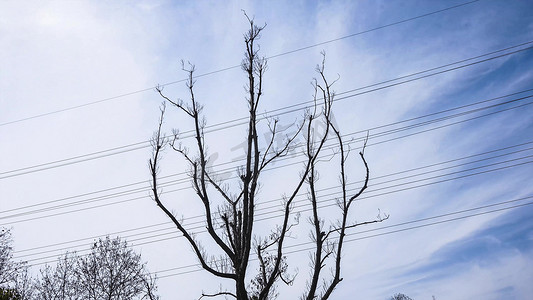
[
  {"x": 176, "y": 235},
  {"x": 113, "y": 195},
  {"x": 324, "y": 203},
  {"x": 237, "y": 66},
  {"x": 379, "y": 234},
  {"x": 356, "y": 182},
  {"x": 145, "y": 188},
  {"x": 367, "y": 197},
  {"x": 216, "y": 127},
  {"x": 184, "y": 180},
  {"x": 319, "y": 190},
  {"x": 422, "y": 180}
]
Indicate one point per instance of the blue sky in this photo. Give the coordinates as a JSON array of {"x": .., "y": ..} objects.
[{"x": 64, "y": 54}]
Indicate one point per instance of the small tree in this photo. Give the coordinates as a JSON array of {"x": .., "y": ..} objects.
[
  {"x": 15, "y": 280},
  {"x": 9, "y": 294},
  {"x": 112, "y": 270},
  {"x": 24, "y": 283},
  {"x": 8, "y": 268},
  {"x": 230, "y": 214},
  {"x": 400, "y": 296},
  {"x": 60, "y": 282}
]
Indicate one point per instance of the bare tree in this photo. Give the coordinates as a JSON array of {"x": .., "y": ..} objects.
[
  {"x": 8, "y": 267},
  {"x": 24, "y": 283},
  {"x": 112, "y": 270},
  {"x": 59, "y": 282},
  {"x": 8, "y": 294},
  {"x": 15, "y": 280},
  {"x": 401, "y": 296},
  {"x": 230, "y": 213}
]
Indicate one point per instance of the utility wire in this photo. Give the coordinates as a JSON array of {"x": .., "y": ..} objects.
[
  {"x": 237, "y": 66},
  {"x": 378, "y": 229},
  {"x": 216, "y": 127},
  {"x": 361, "y": 232},
  {"x": 265, "y": 215},
  {"x": 145, "y": 188},
  {"x": 137, "y": 190},
  {"x": 184, "y": 180},
  {"x": 261, "y": 204},
  {"x": 108, "y": 204},
  {"x": 319, "y": 190},
  {"x": 445, "y": 180},
  {"x": 331, "y": 201}
]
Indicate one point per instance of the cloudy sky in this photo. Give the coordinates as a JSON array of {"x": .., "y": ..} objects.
[{"x": 444, "y": 89}]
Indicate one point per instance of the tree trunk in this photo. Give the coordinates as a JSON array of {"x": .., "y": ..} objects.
[{"x": 240, "y": 286}]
